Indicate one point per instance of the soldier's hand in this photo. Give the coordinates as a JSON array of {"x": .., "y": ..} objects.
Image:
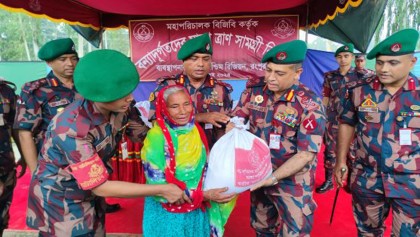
[
  {"x": 340, "y": 174},
  {"x": 217, "y": 195},
  {"x": 21, "y": 162},
  {"x": 263, "y": 183},
  {"x": 173, "y": 194},
  {"x": 216, "y": 118}
]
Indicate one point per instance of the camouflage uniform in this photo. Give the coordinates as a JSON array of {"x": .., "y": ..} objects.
[
  {"x": 299, "y": 117},
  {"x": 385, "y": 174},
  {"x": 41, "y": 100},
  {"x": 365, "y": 71},
  {"x": 334, "y": 89},
  {"x": 212, "y": 96},
  {"x": 7, "y": 159},
  {"x": 57, "y": 204}
]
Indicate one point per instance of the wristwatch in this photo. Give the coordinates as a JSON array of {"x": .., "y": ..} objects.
[{"x": 274, "y": 180}]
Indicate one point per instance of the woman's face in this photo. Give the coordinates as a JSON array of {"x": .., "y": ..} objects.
[{"x": 179, "y": 107}]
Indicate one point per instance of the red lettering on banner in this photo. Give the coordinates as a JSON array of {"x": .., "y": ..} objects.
[{"x": 238, "y": 43}]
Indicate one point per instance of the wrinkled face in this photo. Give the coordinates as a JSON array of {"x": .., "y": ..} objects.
[
  {"x": 198, "y": 66},
  {"x": 64, "y": 65},
  {"x": 119, "y": 106},
  {"x": 394, "y": 69},
  {"x": 280, "y": 77},
  {"x": 360, "y": 63},
  {"x": 179, "y": 107},
  {"x": 344, "y": 59}
]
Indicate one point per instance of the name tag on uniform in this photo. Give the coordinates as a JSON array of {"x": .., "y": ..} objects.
[
  {"x": 274, "y": 141},
  {"x": 59, "y": 102},
  {"x": 208, "y": 126},
  {"x": 103, "y": 144},
  {"x": 124, "y": 150},
  {"x": 1, "y": 120},
  {"x": 405, "y": 136}
]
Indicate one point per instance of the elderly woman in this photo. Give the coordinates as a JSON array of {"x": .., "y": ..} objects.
[{"x": 175, "y": 151}]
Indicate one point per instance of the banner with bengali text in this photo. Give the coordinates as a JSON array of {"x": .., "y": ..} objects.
[{"x": 238, "y": 43}]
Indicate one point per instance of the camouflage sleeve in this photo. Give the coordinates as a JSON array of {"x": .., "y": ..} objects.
[
  {"x": 311, "y": 129},
  {"x": 83, "y": 161},
  {"x": 241, "y": 109},
  {"x": 12, "y": 112},
  {"x": 152, "y": 99},
  {"x": 136, "y": 130},
  {"x": 29, "y": 111},
  {"x": 227, "y": 100},
  {"x": 347, "y": 114},
  {"x": 326, "y": 89},
  {"x": 227, "y": 89}
]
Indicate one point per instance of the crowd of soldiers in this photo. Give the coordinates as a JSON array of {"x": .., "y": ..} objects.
[{"x": 66, "y": 125}]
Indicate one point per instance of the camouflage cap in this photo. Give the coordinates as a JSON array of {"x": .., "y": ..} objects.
[
  {"x": 349, "y": 47},
  {"x": 55, "y": 48},
  {"x": 400, "y": 43},
  {"x": 200, "y": 44},
  {"x": 105, "y": 75},
  {"x": 288, "y": 53}
]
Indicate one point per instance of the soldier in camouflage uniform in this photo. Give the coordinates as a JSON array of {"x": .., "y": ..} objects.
[
  {"x": 7, "y": 159},
  {"x": 42, "y": 99},
  {"x": 360, "y": 62},
  {"x": 291, "y": 119},
  {"x": 384, "y": 114},
  {"x": 67, "y": 190},
  {"x": 211, "y": 98},
  {"x": 333, "y": 92}
]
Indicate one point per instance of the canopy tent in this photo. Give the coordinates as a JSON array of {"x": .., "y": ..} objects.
[{"x": 332, "y": 19}]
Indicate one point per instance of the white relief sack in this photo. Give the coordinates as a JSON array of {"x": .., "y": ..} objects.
[{"x": 238, "y": 160}]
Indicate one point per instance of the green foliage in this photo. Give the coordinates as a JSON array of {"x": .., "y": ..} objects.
[
  {"x": 21, "y": 36},
  {"x": 398, "y": 15}
]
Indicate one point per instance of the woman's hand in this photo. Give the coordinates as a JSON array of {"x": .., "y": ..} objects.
[
  {"x": 229, "y": 127},
  {"x": 173, "y": 194},
  {"x": 217, "y": 195}
]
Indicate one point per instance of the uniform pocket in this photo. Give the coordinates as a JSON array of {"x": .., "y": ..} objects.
[{"x": 309, "y": 208}]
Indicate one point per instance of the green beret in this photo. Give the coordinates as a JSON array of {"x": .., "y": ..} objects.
[
  {"x": 400, "y": 43},
  {"x": 55, "y": 48},
  {"x": 200, "y": 44},
  {"x": 345, "y": 48},
  {"x": 288, "y": 53},
  {"x": 105, "y": 75}
]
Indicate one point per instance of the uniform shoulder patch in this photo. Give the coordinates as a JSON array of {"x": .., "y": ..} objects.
[
  {"x": 308, "y": 99},
  {"x": 162, "y": 80},
  {"x": 360, "y": 82},
  {"x": 32, "y": 86},
  {"x": 255, "y": 82}
]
